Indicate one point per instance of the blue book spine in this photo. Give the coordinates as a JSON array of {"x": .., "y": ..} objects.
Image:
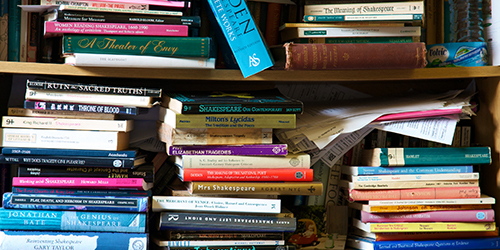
[
  {"x": 52, "y": 220},
  {"x": 434, "y": 156},
  {"x": 414, "y": 170},
  {"x": 92, "y": 192},
  {"x": 68, "y": 160},
  {"x": 22, "y": 240},
  {"x": 75, "y": 202},
  {"x": 341, "y": 18},
  {"x": 14, "y": 29},
  {"x": 69, "y": 152},
  {"x": 459, "y": 244}
]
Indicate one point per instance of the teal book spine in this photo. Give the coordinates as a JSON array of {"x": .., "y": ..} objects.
[
  {"x": 51, "y": 220},
  {"x": 4, "y": 24},
  {"x": 14, "y": 27},
  {"x": 138, "y": 45}
]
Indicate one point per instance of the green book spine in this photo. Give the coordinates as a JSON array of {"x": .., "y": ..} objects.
[{"x": 138, "y": 45}]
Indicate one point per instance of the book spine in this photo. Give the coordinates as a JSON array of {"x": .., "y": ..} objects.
[
  {"x": 60, "y": 240},
  {"x": 277, "y": 188},
  {"x": 241, "y": 108},
  {"x": 69, "y": 152},
  {"x": 345, "y": 18},
  {"x": 75, "y": 107},
  {"x": 406, "y": 170},
  {"x": 92, "y": 192},
  {"x": 53, "y": 220},
  {"x": 227, "y": 222},
  {"x": 362, "y": 56},
  {"x": 123, "y": 11},
  {"x": 24, "y": 25},
  {"x": 415, "y": 193},
  {"x": 255, "y": 247},
  {"x": 456, "y": 244},
  {"x": 57, "y": 123},
  {"x": 360, "y": 40},
  {"x": 254, "y": 150},
  {"x": 216, "y": 204},
  {"x": 4, "y": 31},
  {"x": 14, "y": 30},
  {"x": 76, "y": 161},
  {"x": 416, "y": 7},
  {"x": 58, "y": 113},
  {"x": 431, "y": 227},
  {"x": 272, "y": 23},
  {"x": 415, "y": 177},
  {"x": 409, "y": 31},
  {"x": 88, "y": 98},
  {"x": 33, "y": 37},
  {"x": 52, "y": 28},
  {"x": 433, "y": 235},
  {"x": 138, "y": 45},
  {"x": 97, "y": 4},
  {"x": 486, "y": 215},
  {"x": 137, "y": 61},
  {"x": 302, "y": 161},
  {"x": 279, "y": 174},
  {"x": 69, "y": 202},
  {"x": 423, "y": 208},
  {"x": 411, "y": 184},
  {"x": 189, "y": 235},
  {"x": 68, "y": 182},
  {"x": 198, "y": 243}
]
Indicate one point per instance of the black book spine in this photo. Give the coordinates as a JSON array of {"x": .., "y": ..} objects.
[
  {"x": 246, "y": 247},
  {"x": 68, "y": 161},
  {"x": 192, "y": 235},
  {"x": 89, "y": 108}
]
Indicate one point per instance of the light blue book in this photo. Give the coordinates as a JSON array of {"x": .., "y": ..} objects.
[
  {"x": 342, "y": 18},
  {"x": 355, "y": 170},
  {"x": 455, "y": 244},
  {"x": 52, "y": 220},
  {"x": 22, "y": 240}
]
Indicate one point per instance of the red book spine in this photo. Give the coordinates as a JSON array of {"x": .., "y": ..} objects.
[
  {"x": 415, "y": 193},
  {"x": 258, "y": 174},
  {"x": 308, "y": 56}
]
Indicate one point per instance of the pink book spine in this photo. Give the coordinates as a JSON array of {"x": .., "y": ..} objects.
[
  {"x": 480, "y": 215},
  {"x": 419, "y": 114},
  {"x": 66, "y": 182},
  {"x": 255, "y": 174},
  {"x": 165, "y": 3},
  {"x": 415, "y": 193},
  {"x": 53, "y": 28}
]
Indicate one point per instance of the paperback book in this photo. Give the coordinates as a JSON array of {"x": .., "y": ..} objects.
[
  {"x": 13, "y": 111},
  {"x": 423, "y": 226},
  {"x": 246, "y": 150},
  {"x": 58, "y": 123},
  {"x": 75, "y": 161},
  {"x": 408, "y": 184},
  {"x": 83, "y": 192},
  {"x": 482, "y": 215},
  {"x": 362, "y": 170},
  {"x": 414, "y": 193},
  {"x": 241, "y": 174},
  {"x": 37, "y": 107},
  {"x": 455, "y": 244},
  {"x": 197, "y": 243},
  {"x": 415, "y": 208},
  {"x": 263, "y": 188},
  {"x": 75, "y": 182},
  {"x": 218, "y": 235},
  {"x": 70, "y": 152},
  {"x": 215, "y": 204},
  {"x": 289, "y": 34},
  {"x": 137, "y": 61},
  {"x": 299, "y": 161}
]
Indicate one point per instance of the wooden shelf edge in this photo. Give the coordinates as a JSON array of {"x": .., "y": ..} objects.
[{"x": 267, "y": 75}]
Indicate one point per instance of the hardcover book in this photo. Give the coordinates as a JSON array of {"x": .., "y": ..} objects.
[
  {"x": 58, "y": 123},
  {"x": 423, "y": 226},
  {"x": 74, "y": 182},
  {"x": 439, "y": 169},
  {"x": 299, "y": 161},
  {"x": 455, "y": 244},
  {"x": 216, "y": 204},
  {"x": 483, "y": 215},
  {"x": 37, "y": 107},
  {"x": 70, "y": 152},
  {"x": 294, "y": 33},
  {"x": 241, "y": 174},
  {"x": 247, "y": 150},
  {"x": 414, "y": 193},
  {"x": 263, "y": 188},
  {"x": 137, "y": 61},
  {"x": 74, "y": 161},
  {"x": 269, "y": 101}
]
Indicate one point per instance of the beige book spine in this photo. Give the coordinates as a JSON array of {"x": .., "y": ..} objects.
[
  {"x": 59, "y": 114},
  {"x": 268, "y": 188}
]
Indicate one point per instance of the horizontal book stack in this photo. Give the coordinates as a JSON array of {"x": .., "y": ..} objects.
[{"x": 405, "y": 196}]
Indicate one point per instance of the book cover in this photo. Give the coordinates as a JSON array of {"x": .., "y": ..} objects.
[
  {"x": 65, "y": 139},
  {"x": 38, "y": 107},
  {"x": 269, "y": 101},
  {"x": 138, "y": 45},
  {"x": 93, "y": 88},
  {"x": 299, "y": 161},
  {"x": 177, "y": 120},
  {"x": 247, "y": 150},
  {"x": 354, "y": 56},
  {"x": 70, "y": 152},
  {"x": 241, "y": 174},
  {"x": 89, "y": 98},
  {"x": 333, "y": 32},
  {"x": 213, "y": 136},
  {"x": 21, "y": 240},
  {"x": 362, "y": 170},
  {"x": 267, "y": 188},
  {"x": 426, "y": 156},
  {"x": 74, "y": 161},
  {"x": 215, "y": 204},
  {"x": 137, "y": 61},
  {"x": 415, "y": 193},
  {"x": 53, "y": 220},
  {"x": 455, "y": 244},
  {"x": 412, "y": 177},
  {"x": 54, "y": 28},
  {"x": 75, "y": 202},
  {"x": 225, "y": 222},
  {"x": 84, "y": 192},
  {"x": 75, "y": 182},
  {"x": 424, "y": 226},
  {"x": 58, "y": 123},
  {"x": 483, "y": 215},
  {"x": 408, "y": 184}
]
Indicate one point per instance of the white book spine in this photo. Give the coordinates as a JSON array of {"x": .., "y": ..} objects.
[
  {"x": 238, "y": 161},
  {"x": 408, "y": 184},
  {"x": 56, "y": 123},
  {"x": 416, "y": 177},
  {"x": 111, "y": 5},
  {"x": 412, "y": 7},
  {"x": 134, "y": 61},
  {"x": 216, "y": 204},
  {"x": 412, "y": 31},
  {"x": 89, "y": 98}
]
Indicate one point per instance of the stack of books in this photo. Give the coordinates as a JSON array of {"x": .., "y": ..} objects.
[
  {"x": 75, "y": 169},
  {"x": 419, "y": 196},
  {"x": 221, "y": 148}
]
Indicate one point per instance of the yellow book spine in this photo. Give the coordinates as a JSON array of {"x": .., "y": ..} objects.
[
  {"x": 423, "y": 208},
  {"x": 432, "y": 227},
  {"x": 235, "y": 121}
]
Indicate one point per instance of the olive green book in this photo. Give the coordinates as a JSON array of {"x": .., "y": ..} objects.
[{"x": 138, "y": 45}]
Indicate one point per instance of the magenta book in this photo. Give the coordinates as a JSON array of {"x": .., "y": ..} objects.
[
  {"x": 68, "y": 182},
  {"x": 481, "y": 215},
  {"x": 53, "y": 28}
]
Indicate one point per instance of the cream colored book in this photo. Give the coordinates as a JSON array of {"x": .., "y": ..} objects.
[
  {"x": 75, "y": 124},
  {"x": 59, "y": 114},
  {"x": 301, "y": 161},
  {"x": 408, "y": 184},
  {"x": 392, "y": 227}
]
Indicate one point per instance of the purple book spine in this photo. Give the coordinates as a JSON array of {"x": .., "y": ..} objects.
[
  {"x": 480, "y": 215},
  {"x": 257, "y": 149}
]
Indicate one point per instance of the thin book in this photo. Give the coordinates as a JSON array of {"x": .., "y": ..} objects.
[
  {"x": 299, "y": 161},
  {"x": 75, "y": 124},
  {"x": 215, "y": 204}
]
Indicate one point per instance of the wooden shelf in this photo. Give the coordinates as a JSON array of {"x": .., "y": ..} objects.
[{"x": 268, "y": 75}]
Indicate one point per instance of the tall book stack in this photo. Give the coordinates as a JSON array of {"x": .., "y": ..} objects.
[
  {"x": 405, "y": 198},
  {"x": 229, "y": 171},
  {"x": 76, "y": 175}
]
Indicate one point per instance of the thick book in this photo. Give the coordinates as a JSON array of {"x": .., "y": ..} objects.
[
  {"x": 289, "y": 34},
  {"x": 414, "y": 193},
  {"x": 75, "y": 202},
  {"x": 69, "y": 152},
  {"x": 22, "y": 240},
  {"x": 299, "y": 161},
  {"x": 426, "y": 156},
  {"x": 58, "y": 114},
  {"x": 388, "y": 227},
  {"x": 137, "y": 61},
  {"x": 81, "y": 192},
  {"x": 213, "y": 136},
  {"x": 408, "y": 184},
  {"x": 83, "y": 109},
  {"x": 438, "y": 169},
  {"x": 76, "y": 182},
  {"x": 483, "y": 215},
  {"x": 412, "y": 177},
  {"x": 215, "y": 204},
  {"x": 138, "y": 45},
  {"x": 93, "y": 88},
  {"x": 73, "y": 161},
  {"x": 54, "y": 28},
  {"x": 54, "y": 220},
  {"x": 177, "y": 120},
  {"x": 89, "y": 98},
  {"x": 298, "y": 56},
  {"x": 269, "y": 101},
  {"x": 451, "y": 244},
  {"x": 262, "y": 188},
  {"x": 58, "y": 123},
  {"x": 241, "y": 174},
  {"x": 64, "y": 139},
  {"x": 253, "y": 150},
  {"x": 225, "y": 222}
]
